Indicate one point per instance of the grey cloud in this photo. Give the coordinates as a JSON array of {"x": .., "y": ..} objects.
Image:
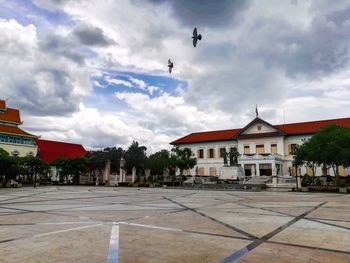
[
  {"x": 207, "y": 13},
  {"x": 56, "y": 99},
  {"x": 62, "y": 46},
  {"x": 91, "y": 36}
]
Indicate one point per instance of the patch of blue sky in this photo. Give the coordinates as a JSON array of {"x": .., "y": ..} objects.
[
  {"x": 27, "y": 12},
  {"x": 124, "y": 83}
]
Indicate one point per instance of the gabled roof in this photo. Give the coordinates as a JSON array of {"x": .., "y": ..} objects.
[
  {"x": 14, "y": 130},
  {"x": 10, "y": 115},
  {"x": 283, "y": 129},
  {"x": 222, "y": 135},
  {"x": 49, "y": 151},
  {"x": 310, "y": 126},
  {"x": 276, "y": 132}
]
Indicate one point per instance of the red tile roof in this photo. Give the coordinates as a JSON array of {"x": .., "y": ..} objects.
[
  {"x": 2, "y": 104},
  {"x": 49, "y": 151},
  {"x": 311, "y": 126},
  {"x": 14, "y": 130},
  {"x": 222, "y": 135},
  {"x": 10, "y": 115},
  {"x": 290, "y": 129}
]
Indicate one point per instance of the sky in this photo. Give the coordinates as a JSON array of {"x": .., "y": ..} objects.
[{"x": 95, "y": 72}]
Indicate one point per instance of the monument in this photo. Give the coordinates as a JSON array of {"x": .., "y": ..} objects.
[
  {"x": 234, "y": 171},
  {"x": 122, "y": 170}
]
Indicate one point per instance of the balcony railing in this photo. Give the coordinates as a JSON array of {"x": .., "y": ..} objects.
[{"x": 261, "y": 156}]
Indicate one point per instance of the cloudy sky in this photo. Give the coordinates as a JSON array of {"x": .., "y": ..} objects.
[{"x": 95, "y": 72}]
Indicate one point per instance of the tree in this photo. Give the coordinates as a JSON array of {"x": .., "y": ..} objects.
[
  {"x": 75, "y": 167},
  {"x": 114, "y": 155},
  {"x": 136, "y": 157},
  {"x": 31, "y": 165},
  {"x": 183, "y": 158},
  {"x": 9, "y": 166},
  {"x": 158, "y": 161},
  {"x": 330, "y": 146}
]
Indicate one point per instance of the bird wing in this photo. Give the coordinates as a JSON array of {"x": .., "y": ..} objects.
[
  {"x": 169, "y": 62},
  {"x": 195, "y": 32},
  {"x": 194, "y": 42}
]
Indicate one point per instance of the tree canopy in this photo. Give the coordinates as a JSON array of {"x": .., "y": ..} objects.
[
  {"x": 330, "y": 146},
  {"x": 183, "y": 158}
]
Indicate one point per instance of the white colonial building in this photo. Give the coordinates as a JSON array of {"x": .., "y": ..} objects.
[{"x": 265, "y": 149}]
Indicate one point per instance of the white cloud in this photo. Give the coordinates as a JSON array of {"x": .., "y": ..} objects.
[
  {"x": 115, "y": 81},
  {"x": 38, "y": 82}
]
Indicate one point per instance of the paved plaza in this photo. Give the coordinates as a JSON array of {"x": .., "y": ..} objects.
[{"x": 100, "y": 224}]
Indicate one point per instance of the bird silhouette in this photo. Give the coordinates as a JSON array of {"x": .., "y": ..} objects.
[
  {"x": 196, "y": 37},
  {"x": 170, "y": 65}
]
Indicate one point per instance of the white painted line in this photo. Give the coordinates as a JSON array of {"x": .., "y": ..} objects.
[
  {"x": 65, "y": 230},
  {"x": 69, "y": 223},
  {"x": 113, "y": 251},
  {"x": 154, "y": 227}
]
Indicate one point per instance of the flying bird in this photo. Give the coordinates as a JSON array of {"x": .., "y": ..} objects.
[
  {"x": 170, "y": 65},
  {"x": 196, "y": 37}
]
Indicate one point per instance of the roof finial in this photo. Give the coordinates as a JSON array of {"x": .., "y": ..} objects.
[{"x": 256, "y": 110}]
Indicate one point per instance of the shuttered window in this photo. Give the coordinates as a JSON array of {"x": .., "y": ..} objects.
[
  {"x": 200, "y": 154},
  {"x": 201, "y": 171},
  {"x": 274, "y": 148},
  {"x": 260, "y": 149},
  {"x": 246, "y": 149}
]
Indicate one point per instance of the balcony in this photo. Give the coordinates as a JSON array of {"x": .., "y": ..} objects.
[{"x": 261, "y": 156}]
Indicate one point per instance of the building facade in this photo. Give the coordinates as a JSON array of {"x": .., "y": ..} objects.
[
  {"x": 13, "y": 139},
  {"x": 265, "y": 149}
]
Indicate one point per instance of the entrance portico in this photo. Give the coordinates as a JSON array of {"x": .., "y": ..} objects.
[{"x": 261, "y": 164}]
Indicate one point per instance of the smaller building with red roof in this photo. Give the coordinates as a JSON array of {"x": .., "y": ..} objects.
[{"x": 49, "y": 151}]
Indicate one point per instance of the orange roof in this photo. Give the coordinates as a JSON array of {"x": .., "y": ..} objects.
[
  {"x": 222, "y": 135},
  {"x": 311, "y": 126},
  {"x": 289, "y": 129},
  {"x": 10, "y": 115},
  {"x": 14, "y": 130},
  {"x": 2, "y": 104}
]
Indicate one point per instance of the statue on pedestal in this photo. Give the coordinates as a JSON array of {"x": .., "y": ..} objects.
[
  {"x": 224, "y": 155},
  {"x": 233, "y": 154}
]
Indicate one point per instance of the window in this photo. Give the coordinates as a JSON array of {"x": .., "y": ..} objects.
[
  {"x": 221, "y": 152},
  {"x": 246, "y": 149},
  {"x": 212, "y": 171},
  {"x": 211, "y": 153},
  {"x": 260, "y": 149},
  {"x": 309, "y": 171},
  {"x": 274, "y": 148},
  {"x": 291, "y": 148},
  {"x": 200, "y": 154},
  {"x": 201, "y": 171}
]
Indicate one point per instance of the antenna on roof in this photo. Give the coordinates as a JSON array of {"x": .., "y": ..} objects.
[{"x": 284, "y": 116}]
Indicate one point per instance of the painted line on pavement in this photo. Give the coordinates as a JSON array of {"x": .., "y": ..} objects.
[
  {"x": 65, "y": 230},
  {"x": 113, "y": 251},
  {"x": 238, "y": 254}
]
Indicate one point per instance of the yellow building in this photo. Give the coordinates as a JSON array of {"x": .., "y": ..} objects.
[{"x": 13, "y": 139}]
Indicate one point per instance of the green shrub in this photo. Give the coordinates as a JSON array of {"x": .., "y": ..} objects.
[
  {"x": 318, "y": 182},
  {"x": 338, "y": 182},
  {"x": 306, "y": 180}
]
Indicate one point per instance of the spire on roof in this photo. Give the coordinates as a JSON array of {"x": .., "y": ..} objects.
[{"x": 256, "y": 110}]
